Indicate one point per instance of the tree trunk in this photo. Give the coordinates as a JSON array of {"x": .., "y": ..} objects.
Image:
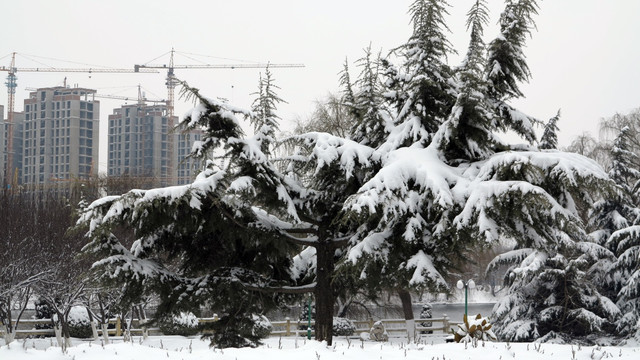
[
  {"x": 324, "y": 291},
  {"x": 9, "y": 336},
  {"x": 407, "y": 309},
  {"x": 105, "y": 332}
]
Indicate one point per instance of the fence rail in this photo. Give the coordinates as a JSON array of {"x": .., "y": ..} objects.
[{"x": 280, "y": 328}]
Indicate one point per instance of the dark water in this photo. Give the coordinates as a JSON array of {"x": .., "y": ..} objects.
[{"x": 455, "y": 311}]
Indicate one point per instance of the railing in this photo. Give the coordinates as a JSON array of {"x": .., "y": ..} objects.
[
  {"x": 290, "y": 328},
  {"x": 280, "y": 328}
]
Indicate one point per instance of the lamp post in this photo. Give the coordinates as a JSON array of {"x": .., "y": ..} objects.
[
  {"x": 309, "y": 318},
  {"x": 470, "y": 284}
]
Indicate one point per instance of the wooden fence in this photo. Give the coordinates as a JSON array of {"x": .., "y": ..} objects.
[{"x": 280, "y": 328}]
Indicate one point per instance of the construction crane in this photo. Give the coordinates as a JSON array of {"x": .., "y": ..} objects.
[
  {"x": 172, "y": 81},
  {"x": 12, "y": 84},
  {"x": 140, "y": 99}
]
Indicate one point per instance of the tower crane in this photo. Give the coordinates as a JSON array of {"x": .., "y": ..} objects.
[
  {"x": 172, "y": 81},
  {"x": 12, "y": 84}
]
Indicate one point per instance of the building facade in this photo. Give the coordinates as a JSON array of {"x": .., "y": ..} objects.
[
  {"x": 141, "y": 144},
  {"x": 60, "y": 136},
  {"x": 11, "y": 176}
]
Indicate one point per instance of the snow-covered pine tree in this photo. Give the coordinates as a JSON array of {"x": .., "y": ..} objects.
[
  {"x": 471, "y": 125},
  {"x": 206, "y": 242},
  {"x": 507, "y": 66},
  {"x": 265, "y": 120},
  {"x": 618, "y": 222},
  {"x": 371, "y": 117},
  {"x": 330, "y": 169},
  {"x": 426, "y": 210},
  {"x": 549, "y": 139},
  {"x": 422, "y": 90}
]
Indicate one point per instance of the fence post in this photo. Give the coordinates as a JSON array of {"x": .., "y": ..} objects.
[
  {"x": 118, "y": 326},
  {"x": 288, "y": 330},
  {"x": 445, "y": 324},
  {"x": 370, "y": 323}
]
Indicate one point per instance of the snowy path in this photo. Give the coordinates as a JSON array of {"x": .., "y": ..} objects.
[{"x": 180, "y": 348}]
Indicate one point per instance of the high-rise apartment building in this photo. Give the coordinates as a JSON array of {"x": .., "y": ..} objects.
[
  {"x": 16, "y": 151},
  {"x": 141, "y": 144},
  {"x": 60, "y": 135},
  {"x": 187, "y": 168}
]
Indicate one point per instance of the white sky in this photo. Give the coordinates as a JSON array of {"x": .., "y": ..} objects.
[{"x": 585, "y": 56}]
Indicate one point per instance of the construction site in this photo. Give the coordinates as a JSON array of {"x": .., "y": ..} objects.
[{"x": 60, "y": 136}]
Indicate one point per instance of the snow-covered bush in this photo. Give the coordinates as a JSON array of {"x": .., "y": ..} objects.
[
  {"x": 184, "y": 323},
  {"x": 474, "y": 330},
  {"x": 426, "y": 313},
  {"x": 238, "y": 332},
  {"x": 343, "y": 327},
  {"x": 262, "y": 326},
  {"x": 79, "y": 323}
]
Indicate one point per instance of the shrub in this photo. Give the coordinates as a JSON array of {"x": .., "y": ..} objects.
[
  {"x": 184, "y": 323},
  {"x": 343, "y": 327},
  {"x": 79, "y": 323},
  {"x": 239, "y": 331}
]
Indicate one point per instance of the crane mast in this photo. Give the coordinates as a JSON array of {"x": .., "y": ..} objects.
[{"x": 11, "y": 90}]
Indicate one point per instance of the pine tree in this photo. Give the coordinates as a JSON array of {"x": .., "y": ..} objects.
[
  {"x": 470, "y": 125},
  {"x": 265, "y": 120},
  {"x": 618, "y": 221},
  {"x": 422, "y": 91},
  {"x": 205, "y": 242},
  {"x": 371, "y": 117},
  {"x": 428, "y": 204},
  {"x": 507, "y": 66},
  {"x": 549, "y": 139}
]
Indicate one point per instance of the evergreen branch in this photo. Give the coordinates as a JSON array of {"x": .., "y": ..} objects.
[
  {"x": 283, "y": 289},
  {"x": 301, "y": 241}
]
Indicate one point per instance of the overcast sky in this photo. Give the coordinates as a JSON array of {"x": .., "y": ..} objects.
[{"x": 585, "y": 56}]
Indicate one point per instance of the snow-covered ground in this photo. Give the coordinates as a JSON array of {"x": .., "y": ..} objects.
[{"x": 432, "y": 347}]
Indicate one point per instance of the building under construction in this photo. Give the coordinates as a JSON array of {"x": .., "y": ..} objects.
[
  {"x": 142, "y": 144},
  {"x": 60, "y": 136}
]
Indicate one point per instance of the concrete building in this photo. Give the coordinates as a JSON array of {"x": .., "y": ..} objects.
[
  {"x": 139, "y": 145},
  {"x": 18, "y": 127},
  {"x": 187, "y": 168},
  {"x": 60, "y": 135},
  {"x": 139, "y": 142}
]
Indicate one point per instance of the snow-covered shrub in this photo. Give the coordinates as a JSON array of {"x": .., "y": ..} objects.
[
  {"x": 262, "y": 326},
  {"x": 184, "y": 323},
  {"x": 239, "y": 331},
  {"x": 474, "y": 330},
  {"x": 79, "y": 323},
  {"x": 343, "y": 327},
  {"x": 426, "y": 313}
]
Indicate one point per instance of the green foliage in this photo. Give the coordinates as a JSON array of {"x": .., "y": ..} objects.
[
  {"x": 183, "y": 323},
  {"x": 239, "y": 331}
]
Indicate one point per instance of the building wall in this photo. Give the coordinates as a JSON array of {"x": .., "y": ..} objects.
[
  {"x": 139, "y": 142},
  {"x": 139, "y": 145},
  {"x": 187, "y": 168},
  {"x": 18, "y": 123},
  {"x": 60, "y": 135},
  {"x": 3, "y": 145}
]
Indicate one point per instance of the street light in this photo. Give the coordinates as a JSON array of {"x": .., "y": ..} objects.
[
  {"x": 470, "y": 284},
  {"x": 309, "y": 318}
]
